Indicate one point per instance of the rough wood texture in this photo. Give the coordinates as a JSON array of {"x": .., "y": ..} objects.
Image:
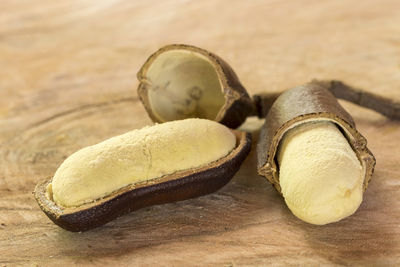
[{"x": 67, "y": 80}]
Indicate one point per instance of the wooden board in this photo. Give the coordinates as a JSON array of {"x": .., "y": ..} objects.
[{"x": 67, "y": 80}]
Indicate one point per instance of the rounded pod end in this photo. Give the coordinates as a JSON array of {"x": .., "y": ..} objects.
[
  {"x": 300, "y": 106},
  {"x": 182, "y": 81},
  {"x": 201, "y": 174}
]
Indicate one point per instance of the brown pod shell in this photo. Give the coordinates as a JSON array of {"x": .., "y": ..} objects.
[
  {"x": 237, "y": 102},
  {"x": 386, "y": 106},
  {"x": 310, "y": 102},
  {"x": 170, "y": 188}
]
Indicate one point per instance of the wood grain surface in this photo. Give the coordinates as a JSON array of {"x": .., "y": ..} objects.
[{"x": 67, "y": 80}]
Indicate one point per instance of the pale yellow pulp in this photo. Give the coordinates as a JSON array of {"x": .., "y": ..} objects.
[
  {"x": 319, "y": 173},
  {"x": 95, "y": 171},
  {"x": 184, "y": 84}
]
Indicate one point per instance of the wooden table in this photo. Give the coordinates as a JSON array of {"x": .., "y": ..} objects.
[{"x": 67, "y": 80}]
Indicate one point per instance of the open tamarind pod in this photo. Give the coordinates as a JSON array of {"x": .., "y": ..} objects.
[
  {"x": 311, "y": 151},
  {"x": 385, "y": 106},
  {"x": 158, "y": 164},
  {"x": 182, "y": 81}
]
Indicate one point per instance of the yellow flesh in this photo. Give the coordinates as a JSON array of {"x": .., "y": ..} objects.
[
  {"x": 140, "y": 155},
  {"x": 320, "y": 175},
  {"x": 184, "y": 84}
]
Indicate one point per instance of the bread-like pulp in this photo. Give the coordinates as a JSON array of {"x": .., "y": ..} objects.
[
  {"x": 319, "y": 173},
  {"x": 138, "y": 156}
]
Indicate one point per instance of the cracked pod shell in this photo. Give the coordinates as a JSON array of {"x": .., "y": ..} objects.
[
  {"x": 232, "y": 111},
  {"x": 174, "y": 187},
  {"x": 307, "y": 103}
]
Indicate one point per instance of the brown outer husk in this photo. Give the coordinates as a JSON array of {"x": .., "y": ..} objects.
[
  {"x": 171, "y": 188},
  {"x": 238, "y": 104},
  {"x": 383, "y": 105},
  {"x": 301, "y": 104}
]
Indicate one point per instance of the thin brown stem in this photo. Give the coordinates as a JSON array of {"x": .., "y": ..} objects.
[
  {"x": 385, "y": 106},
  {"x": 263, "y": 103}
]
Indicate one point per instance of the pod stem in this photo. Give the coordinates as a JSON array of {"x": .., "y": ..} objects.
[{"x": 385, "y": 106}]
